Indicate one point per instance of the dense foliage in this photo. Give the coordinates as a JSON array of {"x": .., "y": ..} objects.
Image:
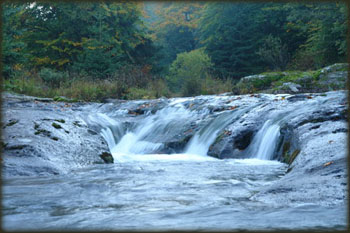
[{"x": 151, "y": 49}]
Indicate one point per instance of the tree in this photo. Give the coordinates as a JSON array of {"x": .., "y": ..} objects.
[
  {"x": 175, "y": 27},
  {"x": 231, "y": 36},
  {"x": 274, "y": 53},
  {"x": 12, "y": 46},
  {"x": 97, "y": 38},
  {"x": 188, "y": 71},
  {"x": 325, "y": 27}
]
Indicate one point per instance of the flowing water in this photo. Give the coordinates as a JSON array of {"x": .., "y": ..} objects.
[{"x": 181, "y": 191}]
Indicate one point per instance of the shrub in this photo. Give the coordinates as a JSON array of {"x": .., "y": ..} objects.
[
  {"x": 139, "y": 93},
  {"x": 189, "y": 65},
  {"x": 192, "y": 87},
  {"x": 53, "y": 78},
  {"x": 212, "y": 86},
  {"x": 159, "y": 88}
]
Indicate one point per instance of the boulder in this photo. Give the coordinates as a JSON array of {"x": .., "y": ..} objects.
[{"x": 289, "y": 86}]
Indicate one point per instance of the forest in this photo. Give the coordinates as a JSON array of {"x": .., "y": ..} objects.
[{"x": 142, "y": 50}]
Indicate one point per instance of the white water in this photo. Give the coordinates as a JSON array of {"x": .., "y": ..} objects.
[
  {"x": 146, "y": 134},
  {"x": 201, "y": 141},
  {"x": 264, "y": 144},
  {"x": 111, "y": 130},
  {"x": 140, "y": 142}
]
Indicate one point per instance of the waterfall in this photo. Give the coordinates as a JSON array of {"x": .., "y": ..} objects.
[
  {"x": 201, "y": 141},
  {"x": 147, "y": 136},
  {"x": 263, "y": 145},
  {"x": 110, "y": 129},
  {"x": 137, "y": 137}
]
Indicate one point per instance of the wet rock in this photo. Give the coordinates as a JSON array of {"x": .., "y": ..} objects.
[
  {"x": 341, "y": 130},
  {"x": 243, "y": 139},
  {"x": 54, "y": 138},
  {"x": 177, "y": 146},
  {"x": 317, "y": 169},
  {"x": 34, "y": 147},
  {"x": 297, "y": 97},
  {"x": 15, "y": 147}
]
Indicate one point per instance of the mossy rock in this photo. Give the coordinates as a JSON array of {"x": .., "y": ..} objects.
[
  {"x": 11, "y": 123},
  {"x": 36, "y": 126},
  {"x": 107, "y": 157},
  {"x": 43, "y": 131},
  {"x": 219, "y": 138},
  {"x": 57, "y": 126},
  {"x": 290, "y": 158}
]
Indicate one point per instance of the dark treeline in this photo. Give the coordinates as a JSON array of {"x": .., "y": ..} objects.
[{"x": 145, "y": 50}]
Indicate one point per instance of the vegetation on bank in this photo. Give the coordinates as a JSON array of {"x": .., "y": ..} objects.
[
  {"x": 88, "y": 89},
  {"x": 128, "y": 50}
]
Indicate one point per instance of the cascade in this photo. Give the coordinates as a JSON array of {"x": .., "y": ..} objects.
[
  {"x": 201, "y": 141},
  {"x": 263, "y": 145},
  {"x": 149, "y": 131}
]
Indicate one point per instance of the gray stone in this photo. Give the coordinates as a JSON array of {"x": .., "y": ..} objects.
[{"x": 291, "y": 86}]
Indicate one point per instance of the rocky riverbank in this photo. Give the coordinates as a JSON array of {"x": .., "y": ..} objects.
[{"x": 329, "y": 78}]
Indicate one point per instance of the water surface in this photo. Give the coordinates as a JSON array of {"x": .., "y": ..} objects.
[{"x": 182, "y": 192}]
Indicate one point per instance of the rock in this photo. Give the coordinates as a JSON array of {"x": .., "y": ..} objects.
[
  {"x": 327, "y": 79},
  {"x": 33, "y": 147},
  {"x": 253, "y": 77},
  {"x": 293, "y": 87},
  {"x": 107, "y": 157},
  {"x": 297, "y": 97},
  {"x": 335, "y": 68},
  {"x": 243, "y": 139}
]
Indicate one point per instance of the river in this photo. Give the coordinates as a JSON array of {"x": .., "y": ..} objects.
[
  {"x": 146, "y": 189},
  {"x": 177, "y": 193}
]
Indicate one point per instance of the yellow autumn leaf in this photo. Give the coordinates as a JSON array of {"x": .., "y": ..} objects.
[{"x": 327, "y": 164}]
